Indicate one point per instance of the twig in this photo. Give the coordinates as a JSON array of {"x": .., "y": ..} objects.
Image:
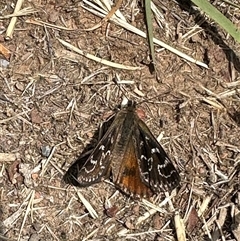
[
  {"x": 178, "y": 221},
  {"x": 42, "y": 23},
  {"x": 88, "y": 206},
  {"x": 108, "y": 16},
  {"x": 11, "y": 26},
  {"x": 29, "y": 208},
  {"x": 92, "y": 57}
]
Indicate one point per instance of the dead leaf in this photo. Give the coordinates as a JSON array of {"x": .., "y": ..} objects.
[
  {"x": 13, "y": 173},
  {"x": 5, "y": 52},
  {"x": 35, "y": 117},
  {"x": 192, "y": 220}
]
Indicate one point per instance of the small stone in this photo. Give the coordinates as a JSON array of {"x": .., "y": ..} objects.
[{"x": 46, "y": 151}]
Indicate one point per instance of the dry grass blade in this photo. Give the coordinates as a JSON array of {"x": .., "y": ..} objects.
[
  {"x": 45, "y": 163},
  {"x": 228, "y": 93},
  {"x": 9, "y": 222},
  {"x": 213, "y": 102},
  {"x": 232, "y": 4},
  {"x": 52, "y": 233},
  {"x": 89, "y": 77},
  {"x": 29, "y": 208},
  {"x": 224, "y": 94},
  {"x": 92, "y": 57},
  {"x": 101, "y": 13},
  {"x": 140, "y": 234},
  {"x": 220, "y": 222},
  {"x": 2, "y": 169},
  {"x": 232, "y": 84},
  {"x": 158, "y": 15},
  {"x": 88, "y": 206},
  {"x": 22, "y": 12},
  {"x": 112, "y": 11},
  {"x": 11, "y": 26},
  {"x": 154, "y": 209},
  {"x": 178, "y": 221},
  {"x": 180, "y": 228},
  {"x": 13, "y": 117},
  {"x": 45, "y": 24},
  {"x": 90, "y": 235}
]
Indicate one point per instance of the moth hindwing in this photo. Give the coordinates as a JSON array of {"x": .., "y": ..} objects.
[{"x": 130, "y": 153}]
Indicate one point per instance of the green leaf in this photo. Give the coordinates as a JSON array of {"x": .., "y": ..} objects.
[
  {"x": 148, "y": 13},
  {"x": 219, "y": 18}
]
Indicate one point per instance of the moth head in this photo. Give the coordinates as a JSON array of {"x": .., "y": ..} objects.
[{"x": 127, "y": 103}]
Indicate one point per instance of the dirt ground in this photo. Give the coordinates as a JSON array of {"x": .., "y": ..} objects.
[{"x": 52, "y": 101}]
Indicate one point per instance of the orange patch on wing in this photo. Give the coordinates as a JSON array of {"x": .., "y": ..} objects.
[{"x": 129, "y": 178}]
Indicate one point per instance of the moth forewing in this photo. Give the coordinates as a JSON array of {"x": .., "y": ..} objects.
[
  {"x": 156, "y": 168},
  {"x": 98, "y": 164}
]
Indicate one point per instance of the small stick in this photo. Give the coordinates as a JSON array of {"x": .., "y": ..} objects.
[
  {"x": 107, "y": 17},
  {"x": 9, "y": 33}
]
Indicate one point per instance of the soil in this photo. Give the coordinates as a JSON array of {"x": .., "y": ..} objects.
[{"x": 53, "y": 100}]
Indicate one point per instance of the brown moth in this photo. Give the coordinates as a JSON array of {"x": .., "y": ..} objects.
[{"x": 129, "y": 153}]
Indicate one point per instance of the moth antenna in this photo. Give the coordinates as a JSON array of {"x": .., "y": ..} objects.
[{"x": 122, "y": 89}]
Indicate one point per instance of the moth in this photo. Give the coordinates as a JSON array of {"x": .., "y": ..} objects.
[{"x": 130, "y": 154}]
